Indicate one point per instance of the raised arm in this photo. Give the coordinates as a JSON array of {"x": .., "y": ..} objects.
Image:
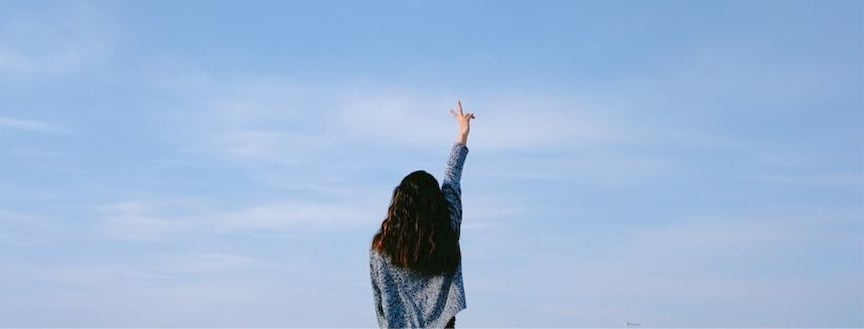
[{"x": 453, "y": 173}]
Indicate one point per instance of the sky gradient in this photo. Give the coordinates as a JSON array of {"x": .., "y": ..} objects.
[{"x": 225, "y": 164}]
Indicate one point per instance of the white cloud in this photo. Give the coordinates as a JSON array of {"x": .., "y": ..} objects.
[
  {"x": 597, "y": 168},
  {"x": 170, "y": 220},
  {"x": 208, "y": 263},
  {"x": 142, "y": 221},
  {"x": 392, "y": 118},
  {"x": 260, "y": 119},
  {"x": 296, "y": 215},
  {"x": 53, "y": 40},
  {"x": 16, "y": 217},
  {"x": 29, "y": 125},
  {"x": 828, "y": 179},
  {"x": 784, "y": 159},
  {"x": 544, "y": 122},
  {"x": 18, "y": 229}
]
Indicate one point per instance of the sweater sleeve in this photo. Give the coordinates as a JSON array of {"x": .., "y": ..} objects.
[
  {"x": 376, "y": 292},
  {"x": 450, "y": 185}
]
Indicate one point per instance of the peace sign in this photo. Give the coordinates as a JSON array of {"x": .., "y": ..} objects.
[{"x": 464, "y": 120}]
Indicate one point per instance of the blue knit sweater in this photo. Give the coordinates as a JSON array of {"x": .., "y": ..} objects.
[{"x": 405, "y": 299}]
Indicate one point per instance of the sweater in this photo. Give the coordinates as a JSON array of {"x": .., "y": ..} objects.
[{"x": 406, "y": 299}]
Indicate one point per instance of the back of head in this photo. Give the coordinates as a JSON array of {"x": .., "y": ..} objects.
[{"x": 416, "y": 233}]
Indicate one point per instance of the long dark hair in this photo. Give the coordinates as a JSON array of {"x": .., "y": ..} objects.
[{"x": 416, "y": 233}]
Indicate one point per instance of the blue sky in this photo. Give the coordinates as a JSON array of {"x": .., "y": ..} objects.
[{"x": 205, "y": 163}]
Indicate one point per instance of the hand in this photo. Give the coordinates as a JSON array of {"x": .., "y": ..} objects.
[{"x": 464, "y": 120}]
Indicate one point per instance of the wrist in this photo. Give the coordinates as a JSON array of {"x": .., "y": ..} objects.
[{"x": 462, "y": 138}]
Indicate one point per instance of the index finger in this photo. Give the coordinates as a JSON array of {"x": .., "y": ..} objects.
[{"x": 459, "y": 103}]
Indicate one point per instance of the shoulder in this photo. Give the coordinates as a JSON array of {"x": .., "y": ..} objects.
[
  {"x": 377, "y": 260},
  {"x": 373, "y": 254}
]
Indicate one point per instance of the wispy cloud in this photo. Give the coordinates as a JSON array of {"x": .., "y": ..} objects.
[
  {"x": 269, "y": 116},
  {"x": 851, "y": 179},
  {"x": 28, "y": 229},
  {"x": 137, "y": 220},
  {"x": 29, "y": 125},
  {"x": 76, "y": 36},
  {"x": 169, "y": 220}
]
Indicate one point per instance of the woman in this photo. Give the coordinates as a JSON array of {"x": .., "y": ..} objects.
[{"x": 415, "y": 261}]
